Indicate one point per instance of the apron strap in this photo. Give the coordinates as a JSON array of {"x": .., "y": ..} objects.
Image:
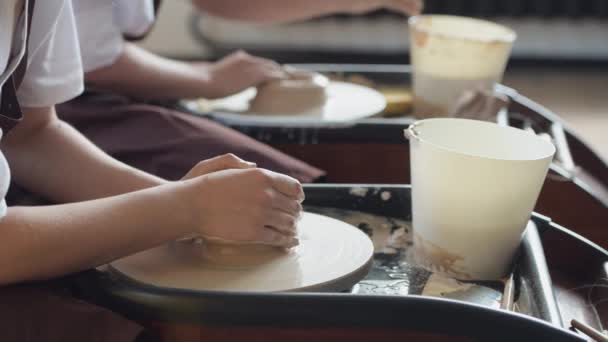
[{"x": 10, "y": 111}]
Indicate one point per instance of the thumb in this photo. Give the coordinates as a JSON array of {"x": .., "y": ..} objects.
[{"x": 223, "y": 162}]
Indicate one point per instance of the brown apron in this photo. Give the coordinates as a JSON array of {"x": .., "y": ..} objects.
[
  {"x": 166, "y": 142},
  {"x": 46, "y": 311}
]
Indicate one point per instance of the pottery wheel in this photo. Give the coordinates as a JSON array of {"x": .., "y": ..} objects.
[
  {"x": 332, "y": 256},
  {"x": 345, "y": 102}
]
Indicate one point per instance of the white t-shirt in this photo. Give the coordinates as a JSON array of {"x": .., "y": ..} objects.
[
  {"x": 102, "y": 23},
  {"x": 8, "y": 19},
  {"x": 12, "y": 36},
  {"x": 54, "y": 73},
  {"x": 133, "y": 17}
]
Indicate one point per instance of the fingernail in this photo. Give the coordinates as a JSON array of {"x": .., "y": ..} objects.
[{"x": 300, "y": 191}]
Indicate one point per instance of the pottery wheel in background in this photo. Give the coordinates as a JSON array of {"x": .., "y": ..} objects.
[
  {"x": 345, "y": 102},
  {"x": 332, "y": 256}
]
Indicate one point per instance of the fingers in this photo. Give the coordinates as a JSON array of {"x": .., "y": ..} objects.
[
  {"x": 268, "y": 73},
  {"x": 283, "y": 223},
  {"x": 243, "y": 56},
  {"x": 272, "y": 237},
  {"x": 286, "y": 185},
  {"x": 261, "y": 74},
  {"x": 243, "y": 59},
  {"x": 249, "y": 205},
  {"x": 286, "y": 204},
  {"x": 259, "y": 69},
  {"x": 226, "y": 161},
  {"x": 264, "y": 71},
  {"x": 283, "y": 208},
  {"x": 223, "y": 162}
]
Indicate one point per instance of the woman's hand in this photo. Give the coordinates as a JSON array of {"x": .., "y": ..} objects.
[
  {"x": 223, "y": 162},
  {"x": 236, "y": 72},
  {"x": 229, "y": 198},
  {"x": 250, "y": 205}
]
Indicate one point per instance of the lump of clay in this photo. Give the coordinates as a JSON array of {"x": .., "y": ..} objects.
[
  {"x": 226, "y": 253},
  {"x": 301, "y": 92}
]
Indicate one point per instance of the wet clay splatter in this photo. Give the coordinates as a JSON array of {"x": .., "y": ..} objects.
[{"x": 438, "y": 259}]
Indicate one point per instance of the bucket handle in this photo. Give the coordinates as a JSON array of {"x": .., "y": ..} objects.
[{"x": 412, "y": 132}]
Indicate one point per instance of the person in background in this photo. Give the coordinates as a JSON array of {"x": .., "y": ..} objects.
[{"x": 122, "y": 78}]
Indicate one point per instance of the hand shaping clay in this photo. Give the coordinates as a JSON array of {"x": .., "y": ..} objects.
[{"x": 301, "y": 92}]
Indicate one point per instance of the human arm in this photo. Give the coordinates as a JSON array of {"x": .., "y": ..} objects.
[
  {"x": 278, "y": 11},
  {"x": 222, "y": 197},
  {"x": 214, "y": 199},
  {"x": 42, "y": 242},
  {"x": 47, "y": 241},
  {"x": 144, "y": 75},
  {"x": 52, "y": 158},
  {"x": 121, "y": 209}
]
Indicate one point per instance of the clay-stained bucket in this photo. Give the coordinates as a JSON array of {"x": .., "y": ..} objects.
[
  {"x": 451, "y": 55},
  {"x": 474, "y": 186}
]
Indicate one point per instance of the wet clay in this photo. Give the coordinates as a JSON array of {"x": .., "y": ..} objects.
[
  {"x": 227, "y": 253},
  {"x": 438, "y": 259},
  {"x": 301, "y": 92}
]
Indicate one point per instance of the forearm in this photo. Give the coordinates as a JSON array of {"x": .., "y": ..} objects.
[
  {"x": 52, "y": 158},
  {"x": 43, "y": 242},
  {"x": 144, "y": 75},
  {"x": 277, "y": 11}
]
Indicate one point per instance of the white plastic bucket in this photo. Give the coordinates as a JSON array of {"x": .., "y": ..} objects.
[
  {"x": 450, "y": 55},
  {"x": 474, "y": 186}
]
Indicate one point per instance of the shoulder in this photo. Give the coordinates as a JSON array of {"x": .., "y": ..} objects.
[{"x": 54, "y": 72}]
